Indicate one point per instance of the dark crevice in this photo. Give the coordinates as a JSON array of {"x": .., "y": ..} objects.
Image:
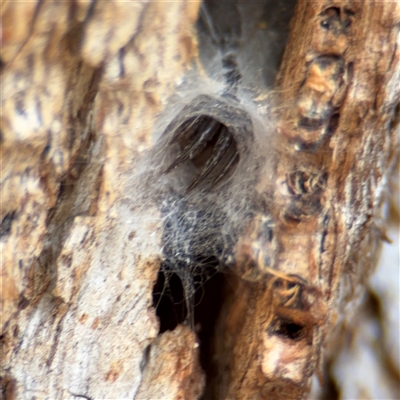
[
  {"x": 23, "y": 303},
  {"x": 311, "y": 124},
  {"x": 288, "y": 329},
  {"x": 81, "y": 396},
  {"x": 169, "y": 301},
  {"x": 210, "y": 301},
  {"x": 54, "y": 345},
  {"x": 146, "y": 358},
  {"x": 182, "y": 291},
  {"x": 6, "y": 224},
  {"x": 172, "y": 309},
  {"x": 322, "y": 243},
  {"x": 332, "y": 125}
]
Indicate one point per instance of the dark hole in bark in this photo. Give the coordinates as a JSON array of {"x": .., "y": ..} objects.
[
  {"x": 207, "y": 314},
  {"x": 311, "y": 124},
  {"x": 332, "y": 12},
  {"x": 288, "y": 329},
  {"x": 23, "y": 303},
  {"x": 169, "y": 300},
  {"x": 194, "y": 303},
  {"x": 6, "y": 224},
  {"x": 171, "y": 308},
  {"x": 333, "y": 124},
  {"x": 145, "y": 359}
]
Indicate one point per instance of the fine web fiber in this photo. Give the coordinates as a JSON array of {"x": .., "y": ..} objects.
[
  {"x": 202, "y": 226},
  {"x": 203, "y": 222}
]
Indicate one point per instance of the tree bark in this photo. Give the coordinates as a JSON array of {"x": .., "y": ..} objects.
[
  {"x": 86, "y": 91},
  {"x": 82, "y": 84},
  {"x": 339, "y": 95}
]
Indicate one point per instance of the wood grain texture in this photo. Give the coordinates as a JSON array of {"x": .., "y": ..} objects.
[
  {"x": 339, "y": 89},
  {"x": 82, "y": 84}
]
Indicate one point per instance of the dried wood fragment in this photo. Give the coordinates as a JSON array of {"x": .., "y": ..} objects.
[{"x": 339, "y": 86}]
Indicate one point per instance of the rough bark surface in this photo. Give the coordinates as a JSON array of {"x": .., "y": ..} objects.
[
  {"x": 82, "y": 86},
  {"x": 339, "y": 89},
  {"x": 82, "y": 83}
]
